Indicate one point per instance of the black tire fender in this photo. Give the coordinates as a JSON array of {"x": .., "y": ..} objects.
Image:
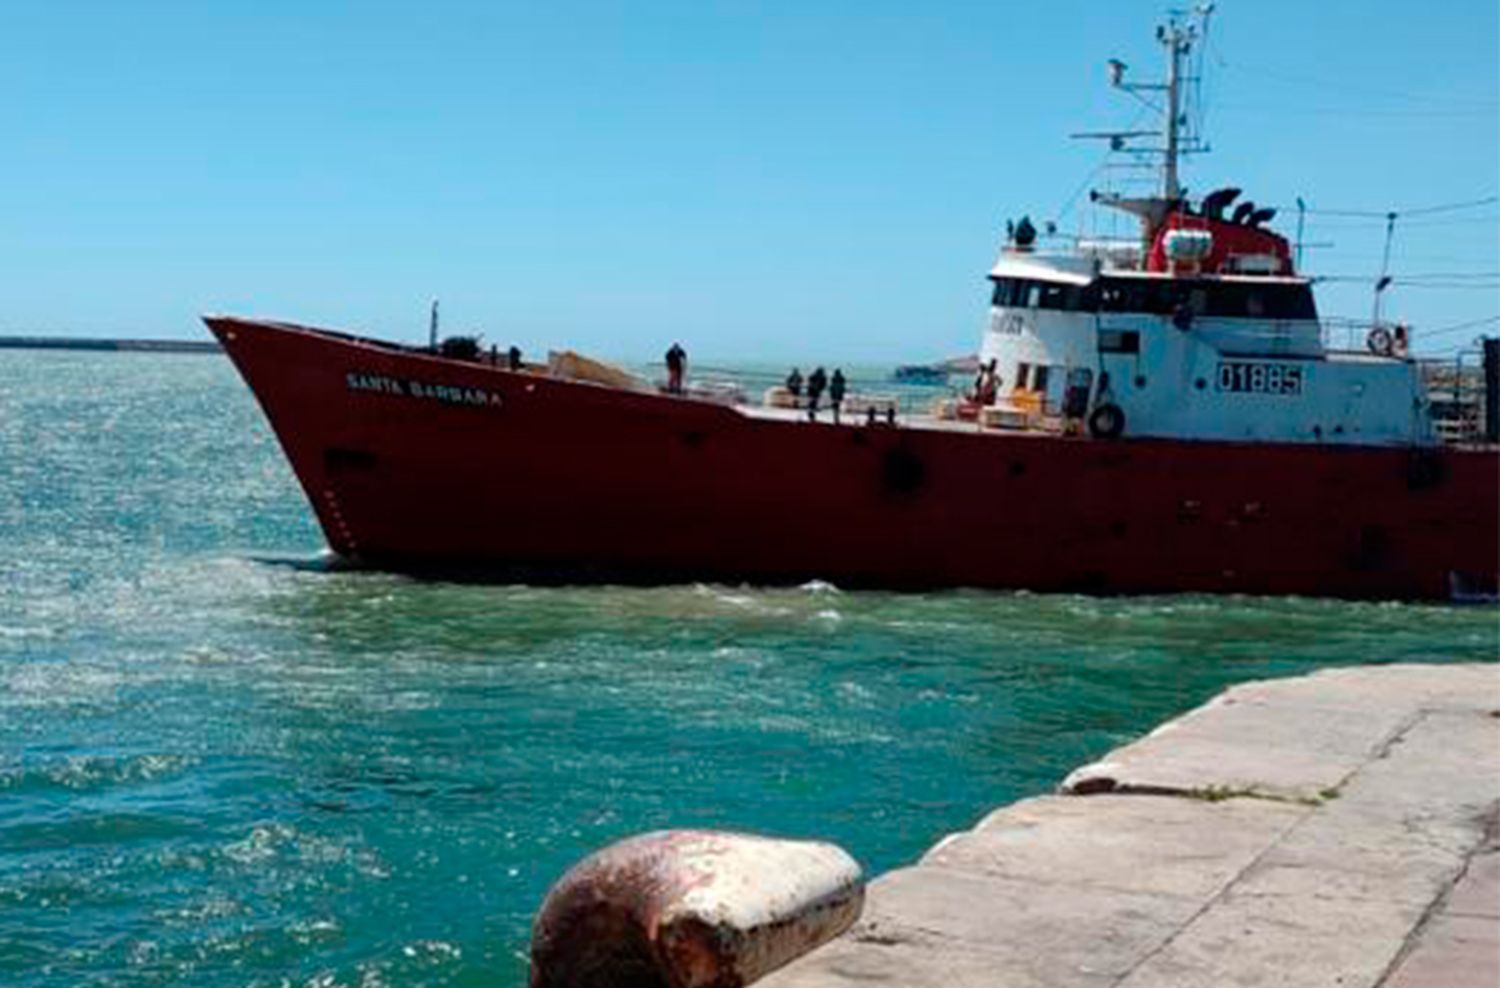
[{"x": 1107, "y": 421}]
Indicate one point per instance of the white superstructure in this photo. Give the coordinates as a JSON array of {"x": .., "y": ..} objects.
[
  {"x": 1199, "y": 330},
  {"x": 1237, "y": 357}
]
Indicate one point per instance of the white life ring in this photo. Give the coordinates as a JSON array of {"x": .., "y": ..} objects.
[{"x": 1380, "y": 342}]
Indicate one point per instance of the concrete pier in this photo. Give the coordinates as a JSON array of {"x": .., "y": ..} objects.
[{"x": 1339, "y": 829}]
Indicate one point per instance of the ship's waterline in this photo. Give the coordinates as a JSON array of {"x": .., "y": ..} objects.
[{"x": 224, "y": 761}]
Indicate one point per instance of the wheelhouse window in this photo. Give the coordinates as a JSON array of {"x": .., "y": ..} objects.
[
  {"x": 1162, "y": 297},
  {"x": 1005, "y": 292},
  {"x": 1222, "y": 299},
  {"x": 1139, "y": 295},
  {"x": 1261, "y": 300},
  {"x": 1068, "y": 298},
  {"x": 1027, "y": 293}
]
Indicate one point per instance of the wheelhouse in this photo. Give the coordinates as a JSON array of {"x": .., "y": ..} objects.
[
  {"x": 1074, "y": 344},
  {"x": 1219, "y": 297}
]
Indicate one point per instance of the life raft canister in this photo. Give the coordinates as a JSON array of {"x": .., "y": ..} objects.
[{"x": 1107, "y": 421}]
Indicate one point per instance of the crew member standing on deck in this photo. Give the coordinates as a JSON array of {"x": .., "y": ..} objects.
[
  {"x": 794, "y": 383},
  {"x": 816, "y": 382},
  {"x": 987, "y": 384},
  {"x": 676, "y": 364},
  {"x": 836, "y": 392}
]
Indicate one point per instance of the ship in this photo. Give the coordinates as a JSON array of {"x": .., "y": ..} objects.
[{"x": 1162, "y": 415}]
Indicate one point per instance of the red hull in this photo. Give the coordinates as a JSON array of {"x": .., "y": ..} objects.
[{"x": 522, "y": 475}]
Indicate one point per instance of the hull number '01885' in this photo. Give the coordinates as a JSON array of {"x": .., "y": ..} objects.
[{"x": 1255, "y": 377}]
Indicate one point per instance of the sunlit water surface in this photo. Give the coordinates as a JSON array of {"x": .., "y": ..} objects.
[{"x": 224, "y": 763}]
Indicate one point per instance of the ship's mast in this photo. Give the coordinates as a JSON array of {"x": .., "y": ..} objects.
[
  {"x": 1178, "y": 43},
  {"x": 1182, "y": 31}
]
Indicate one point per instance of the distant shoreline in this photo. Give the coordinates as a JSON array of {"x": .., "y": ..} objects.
[{"x": 100, "y": 344}]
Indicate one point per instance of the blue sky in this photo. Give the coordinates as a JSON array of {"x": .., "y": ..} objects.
[{"x": 823, "y": 180}]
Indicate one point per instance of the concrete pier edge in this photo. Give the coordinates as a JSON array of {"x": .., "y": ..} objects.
[{"x": 1339, "y": 828}]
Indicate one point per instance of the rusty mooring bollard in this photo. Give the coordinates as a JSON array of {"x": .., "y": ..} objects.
[{"x": 691, "y": 909}]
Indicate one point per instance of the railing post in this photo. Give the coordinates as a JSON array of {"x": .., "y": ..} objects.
[{"x": 1492, "y": 389}]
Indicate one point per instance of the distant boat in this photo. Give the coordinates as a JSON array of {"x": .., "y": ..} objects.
[
  {"x": 920, "y": 374},
  {"x": 967, "y": 364}
]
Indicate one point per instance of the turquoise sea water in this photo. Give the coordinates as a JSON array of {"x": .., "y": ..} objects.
[{"x": 224, "y": 763}]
